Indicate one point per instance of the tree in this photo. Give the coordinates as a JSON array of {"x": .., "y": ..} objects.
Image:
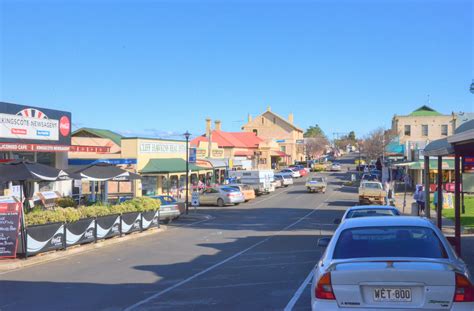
[
  {"x": 315, "y": 146},
  {"x": 352, "y": 136},
  {"x": 314, "y": 131},
  {"x": 375, "y": 143}
]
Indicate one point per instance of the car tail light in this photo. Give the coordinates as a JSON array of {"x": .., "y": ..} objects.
[
  {"x": 464, "y": 291},
  {"x": 324, "y": 288}
]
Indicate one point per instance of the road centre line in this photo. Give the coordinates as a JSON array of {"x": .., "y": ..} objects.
[
  {"x": 192, "y": 277},
  {"x": 299, "y": 292}
]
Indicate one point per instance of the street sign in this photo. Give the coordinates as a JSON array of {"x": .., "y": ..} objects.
[
  {"x": 192, "y": 155},
  {"x": 195, "y": 198},
  {"x": 300, "y": 141},
  {"x": 280, "y": 140}
]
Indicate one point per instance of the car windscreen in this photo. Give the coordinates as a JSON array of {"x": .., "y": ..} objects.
[
  {"x": 372, "y": 186},
  {"x": 317, "y": 179},
  {"x": 372, "y": 212},
  {"x": 390, "y": 241},
  {"x": 229, "y": 189}
]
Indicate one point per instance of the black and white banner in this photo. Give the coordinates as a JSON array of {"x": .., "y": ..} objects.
[
  {"x": 108, "y": 226},
  {"x": 131, "y": 222},
  {"x": 150, "y": 219},
  {"x": 80, "y": 232},
  {"x": 45, "y": 238}
]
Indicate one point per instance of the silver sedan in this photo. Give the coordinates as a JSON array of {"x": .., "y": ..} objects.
[
  {"x": 390, "y": 263},
  {"x": 221, "y": 196}
]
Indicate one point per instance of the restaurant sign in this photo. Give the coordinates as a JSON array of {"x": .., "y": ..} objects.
[
  {"x": 162, "y": 147},
  {"x": 32, "y": 125}
]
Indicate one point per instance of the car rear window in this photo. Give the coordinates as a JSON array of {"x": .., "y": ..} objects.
[
  {"x": 372, "y": 212},
  {"x": 317, "y": 179},
  {"x": 372, "y": 186},
  {"x": 229, "y": 189},
  {"x": 389, "y": 242}
]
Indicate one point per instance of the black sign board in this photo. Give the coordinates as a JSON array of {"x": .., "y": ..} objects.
[{"x": 9, "y": 227}]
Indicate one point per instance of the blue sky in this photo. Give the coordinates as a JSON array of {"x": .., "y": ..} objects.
[{"x": 162, "y": 67}]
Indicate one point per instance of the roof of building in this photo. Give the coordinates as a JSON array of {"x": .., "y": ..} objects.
[
  {"x": 173, "y": 165},
  {"x": 283, "y": 119},
  {"x": 231, "y": 139},
  {"x": 425, "y": 111},
  {"x": 101, "y": 133}
]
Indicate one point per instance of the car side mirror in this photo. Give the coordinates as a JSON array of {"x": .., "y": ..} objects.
[
  {"x": 323, "y": 242},
  {"x": 337, "y": 221}
]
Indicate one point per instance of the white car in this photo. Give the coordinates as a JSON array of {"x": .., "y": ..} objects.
[
  {"x": 335, "y": 167},
  {"x": 293, "y": 173},
  {"x": 368, "y": 211},
  {"x": 390, "y": 263},
  {"x": 285, "y": 179}
]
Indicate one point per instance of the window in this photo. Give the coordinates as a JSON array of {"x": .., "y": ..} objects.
[
  {"x": 424, "y": 130},
  {"x": 263, "y": 120},
  {"x": 283, "y": 148},
  {"x": 444, "y": 130},
  {"x": 407, "y": 130},
  {"x": 274, "y": 120},
  {"x": 255, "y": 131},
  {"x": 389, "y": 242}
]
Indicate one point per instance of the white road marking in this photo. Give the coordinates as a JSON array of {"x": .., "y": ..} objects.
[
  {"x": 192, "y": 277},
  {"x": 298, "y": 293}
]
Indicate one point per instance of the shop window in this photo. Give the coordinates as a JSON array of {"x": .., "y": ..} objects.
[
  {"x": 444, "y": 130},
  {"x": 424, "y": 130},
  {"x": 149, "y": 185},
  {"x": 263, "y": 161},
  {"x": 45, "y": 186},
  {"x": 407, "y": 131}
]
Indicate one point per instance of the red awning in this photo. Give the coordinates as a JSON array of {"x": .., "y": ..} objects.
[{"x": 279, "y": 154}]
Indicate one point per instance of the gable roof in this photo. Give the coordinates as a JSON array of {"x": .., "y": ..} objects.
[
  {"x": 425, "y": 111},
  {"x": 231, "y": 139},
  {"x": 113, "y": 136},
  {"x": 283, "y": 119}
]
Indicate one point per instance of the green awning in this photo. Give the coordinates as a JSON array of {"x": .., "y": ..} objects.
[
  {"x": 174, "y": 165},
  {"x": 447, "y": 164}
]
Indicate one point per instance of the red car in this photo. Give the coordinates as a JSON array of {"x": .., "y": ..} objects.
[{"x": 302, "y": 171}]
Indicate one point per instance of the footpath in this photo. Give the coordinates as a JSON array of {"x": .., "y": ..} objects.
[{"x": 467, "y": 240}]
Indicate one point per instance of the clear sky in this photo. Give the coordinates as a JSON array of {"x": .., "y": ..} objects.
[{"x": 161, "y": 67}]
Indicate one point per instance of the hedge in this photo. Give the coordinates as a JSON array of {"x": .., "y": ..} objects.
[{"x": 70, "y": 214}]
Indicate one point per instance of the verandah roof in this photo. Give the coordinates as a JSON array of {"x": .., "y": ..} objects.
[{"x": 174, "y": 165}]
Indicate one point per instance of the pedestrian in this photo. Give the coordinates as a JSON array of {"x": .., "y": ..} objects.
[{"x": 421, "y": 201}]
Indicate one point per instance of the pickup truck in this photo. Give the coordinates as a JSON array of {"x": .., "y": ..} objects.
[
  {"x": 371, "y": 192},
  {"x": 316, "y": 184}
]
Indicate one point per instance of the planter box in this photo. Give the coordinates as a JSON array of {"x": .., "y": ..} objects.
[
  {"x": 108, "y": 226},
  {"x": 80, "y": 232},
  {"x": 150, "y": 219},
  {"x": 131, "y": 222},
  {"x": 44, "y": 238}
]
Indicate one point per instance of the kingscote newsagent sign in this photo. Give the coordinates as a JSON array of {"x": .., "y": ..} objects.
[{"x": 27, "y": 128}]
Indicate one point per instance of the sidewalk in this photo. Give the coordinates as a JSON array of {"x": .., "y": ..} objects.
[{"x": 467, "y": 240}]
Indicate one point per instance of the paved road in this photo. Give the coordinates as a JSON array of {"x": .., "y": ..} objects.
[{"x": 254, "y": 256}]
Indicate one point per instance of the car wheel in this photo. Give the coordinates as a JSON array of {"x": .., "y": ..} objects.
[
  {"x": 166, "y": 221},
  {"x": 220, "y": 202},
  {"x": 236, "y": 203}
]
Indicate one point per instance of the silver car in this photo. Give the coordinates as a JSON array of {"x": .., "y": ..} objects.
[
  {"x": 368, "y": 211},
  {"x": 390, "y": 263},
  {"x": 221, "y": 196},
  {"x": 285, "y": 179}
]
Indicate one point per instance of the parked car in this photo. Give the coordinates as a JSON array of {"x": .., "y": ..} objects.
[
  {"x": 221, "y": 196},
  {"x": 316, "y": 184},
  {"x": 301, "y": 167},
  {"x": 371, "y": 192},
  {"x": 293, "y": 173},
  {"x": 368, "y": 211},
  {"x": 390, "y": 263},
  {"x": 285, "y": 179},
  {"x": 247, "y": 191},
  {"x": 335, "y": 167},
  {"x": 369, "y": 177},
  {"x": 169, "y": 209}
]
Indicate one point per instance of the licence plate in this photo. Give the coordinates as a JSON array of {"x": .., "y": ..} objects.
[{"x": 392, "y": 294}]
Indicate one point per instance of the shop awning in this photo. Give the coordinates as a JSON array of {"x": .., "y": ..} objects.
[
  {"x": 174, "y": 165},
  {"x": 447, "y": 164},
  {"x": 276, "y": 153},
  {"x": 218, "y": 163}
]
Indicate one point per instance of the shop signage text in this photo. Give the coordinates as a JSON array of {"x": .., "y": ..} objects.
[
  {"x": 33, "y": 147},
  {"x": 92, "y": 149},
  {"x": 162, "y": 147}
]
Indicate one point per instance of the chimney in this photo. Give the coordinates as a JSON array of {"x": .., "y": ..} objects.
[
  {"x": 290, "y": 118},
  {"x": 249, "y": 118},
  {"x": 217, "y": 124},
  {"x": 208, "y": 127},
  {"x": 269, "y": 108}
]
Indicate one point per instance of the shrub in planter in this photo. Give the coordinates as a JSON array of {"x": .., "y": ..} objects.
[{"x": 66, "y": 202}]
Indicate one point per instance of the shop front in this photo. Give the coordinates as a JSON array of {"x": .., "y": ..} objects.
[{"x": 35, "y": 134}]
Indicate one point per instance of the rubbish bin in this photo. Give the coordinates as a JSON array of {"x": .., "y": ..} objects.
[{"x": 414, "y": 209}]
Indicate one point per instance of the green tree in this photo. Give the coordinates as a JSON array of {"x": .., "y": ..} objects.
[
  {"x": 352, "y": 136},
  {"x": 314, "y": 131}
]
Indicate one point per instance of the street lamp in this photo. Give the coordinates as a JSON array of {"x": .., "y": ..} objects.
[
  {"x": 472, "y": 87},
  {"x": 186, "y": 135}
]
